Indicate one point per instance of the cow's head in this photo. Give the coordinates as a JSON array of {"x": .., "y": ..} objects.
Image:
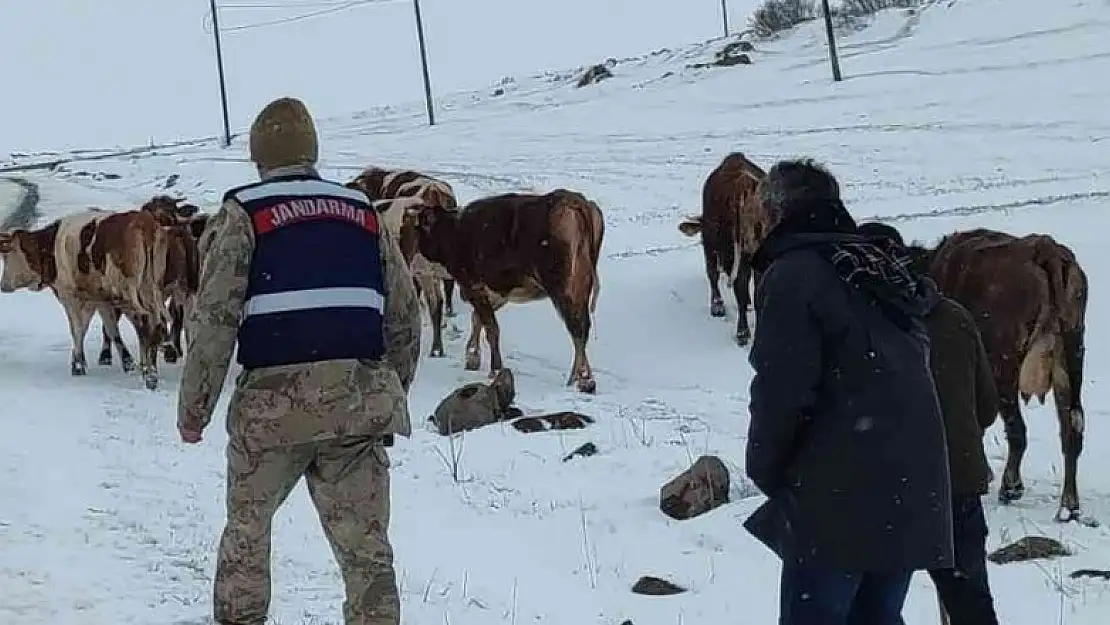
[
  {"x": 23, "y": 266},
  {"x": 360, "y": 184},
  {"x": 434, "y": 227},
  {"x": 197, "y": 224},
  {"x": 168, "y": 210}
]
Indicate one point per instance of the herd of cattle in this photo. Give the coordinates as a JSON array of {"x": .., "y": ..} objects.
[{"x": 1028, "y": 294}]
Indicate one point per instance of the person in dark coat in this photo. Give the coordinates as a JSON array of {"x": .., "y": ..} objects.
[
  {"x": 846, "y": 438},
  {"x": 969, "y": 404}
]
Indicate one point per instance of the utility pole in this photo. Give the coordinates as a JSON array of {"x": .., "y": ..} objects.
[
  {"x": 834, "y": 60},
  {"x": 724, "y": 15},
  {"x": 220, "y": 70},
  {"x": 423, "y": 63}
]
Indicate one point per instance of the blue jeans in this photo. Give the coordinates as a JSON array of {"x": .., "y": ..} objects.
[{"x": 811, "y": 596}]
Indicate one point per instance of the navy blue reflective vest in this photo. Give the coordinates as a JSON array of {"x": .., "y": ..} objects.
[{"x": 317, "y": 285}]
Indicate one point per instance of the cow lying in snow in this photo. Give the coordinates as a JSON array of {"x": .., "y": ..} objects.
[
  {"x": 379, "y": 183},
  {"x": 95, "y": 261},
  {"x": 732, "y": 226},
  {"x": 1029, "y": 298},
  {"x": 520, "y": 248}
]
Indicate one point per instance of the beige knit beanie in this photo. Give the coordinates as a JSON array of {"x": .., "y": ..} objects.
[{"x": 284, "y": 134}]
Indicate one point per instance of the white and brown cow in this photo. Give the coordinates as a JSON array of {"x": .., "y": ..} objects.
[
  {"x": 95, "y": 261},
  {"x": 521, "y": 248},
  {"x": 398, "y": 217},
  {"x": 380, "y": 183},
  {"x": 732, "y": 226}
]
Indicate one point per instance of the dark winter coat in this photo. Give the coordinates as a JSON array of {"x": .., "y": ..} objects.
[
  {"x": 846, "y": 437},
  {"x": 965, "y": 386}
]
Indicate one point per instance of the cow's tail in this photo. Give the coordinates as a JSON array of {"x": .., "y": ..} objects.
[
  {"x": 1056, "y": 346},
  {"x": 690, "y": 226},
  {"x": 154, "y": 271},
  {"x": 596, "y": 223}
]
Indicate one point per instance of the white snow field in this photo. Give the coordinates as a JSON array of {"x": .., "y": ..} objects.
[{"x": 967, "y": 113}]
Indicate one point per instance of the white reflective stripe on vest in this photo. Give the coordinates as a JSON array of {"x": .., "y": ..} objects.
[
  {"x": 314, "y": 299},
  {"x": 300, "y": 188}
]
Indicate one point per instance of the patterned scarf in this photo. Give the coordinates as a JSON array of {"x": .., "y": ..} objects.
[{"x": 861, "y": 263}]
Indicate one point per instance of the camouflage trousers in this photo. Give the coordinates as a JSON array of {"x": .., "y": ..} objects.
[{"x": 348, "y": 481}]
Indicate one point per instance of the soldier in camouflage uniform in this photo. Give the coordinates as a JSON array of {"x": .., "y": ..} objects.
[{"x": 324, "y": 412}]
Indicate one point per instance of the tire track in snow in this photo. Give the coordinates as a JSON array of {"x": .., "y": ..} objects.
[{"x": 26, "y": 212}]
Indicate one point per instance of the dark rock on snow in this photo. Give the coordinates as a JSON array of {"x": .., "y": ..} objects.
[
  {"x": 587, "y": 449},
  {"x": 656, "y": 587},
  {"x": 1029, "y": 548},
  {"x": 594, "y": 75},
  {"x": 697, "y": 490}
]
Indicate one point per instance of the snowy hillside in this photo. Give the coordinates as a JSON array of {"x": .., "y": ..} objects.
[{"x": 966, "y": 113}]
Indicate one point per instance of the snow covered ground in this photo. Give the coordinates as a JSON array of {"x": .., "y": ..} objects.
[{"x": 972, "y": 112}]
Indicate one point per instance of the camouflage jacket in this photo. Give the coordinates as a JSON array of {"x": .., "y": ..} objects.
[{"x": 290, "y": 404}]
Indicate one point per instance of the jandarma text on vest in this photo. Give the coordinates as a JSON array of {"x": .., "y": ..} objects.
[{"x": 306, "y": 209}]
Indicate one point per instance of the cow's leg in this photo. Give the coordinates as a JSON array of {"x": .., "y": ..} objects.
[
  {"x": 79, "y": 314},
  {"x": 473, "y": 349},
  {"x": 449, "y": 296},
  {"x": 741, "y": 276},
  {"x": 1017, "y": 440},
  {"x": 1067, "y": 385},
  {"x": 713, "y": 273},
  {"x": 109, "y": 318},
  {"x": 574, "y": 310},
  {"x": 486, "y": 312},
  {"x": 151, "y": 331},
  {"x": 105, "y": 357},
  {"x": 171, "y": 347},
  {"x": 434, "y": 300}
]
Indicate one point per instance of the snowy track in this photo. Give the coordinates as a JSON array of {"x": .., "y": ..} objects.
[{"x": 973, "y": 113}]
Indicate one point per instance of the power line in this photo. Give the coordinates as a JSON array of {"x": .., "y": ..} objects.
[{"x": 335, "y": 6}]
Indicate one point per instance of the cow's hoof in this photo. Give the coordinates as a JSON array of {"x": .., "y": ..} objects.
[
  {"x": 170, "y": 354},
  {"x": 77, "y": 368},
  {"x": 1010, "y": 494},
  {"x": 473, "y": 362},
  {"x": 587, "y": 385},
  {"x": 128, "y": 364},
  {"x": 1067, "y": 514},
  {"x": 743, "y": 337},
  {"x": 437, "y": 352},
  {"x": 717, "y": 309},
  {"x": 105, "y": 358},
  {"x": 150, "y": 381}
]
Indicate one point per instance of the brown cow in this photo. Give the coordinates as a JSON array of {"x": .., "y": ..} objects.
[
  {"x": 732, "y": 226},
  {"x": 184, "y": 224},
  {"x": 379, "y": 183},
  {"x": 520, "y": 248},
  {"x": 94, "y": 261},
  {"x": 1029, "y": 298},
  {"x": 184, "y": 228}
]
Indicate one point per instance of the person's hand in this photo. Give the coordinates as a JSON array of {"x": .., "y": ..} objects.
[{"x": 189, "y": 436}]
